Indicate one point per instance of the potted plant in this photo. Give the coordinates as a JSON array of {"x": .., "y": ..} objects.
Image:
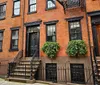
[
  {"x": 76, "y": 48},
  {"x": 51, "y": 49}
]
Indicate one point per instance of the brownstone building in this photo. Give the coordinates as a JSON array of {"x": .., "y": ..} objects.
[{"x": 25, "y": 25}]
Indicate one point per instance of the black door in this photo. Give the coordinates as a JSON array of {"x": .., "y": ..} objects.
[{"x": 32, "y": 43}]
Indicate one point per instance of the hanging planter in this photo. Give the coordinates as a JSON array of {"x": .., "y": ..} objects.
[
  {"x": 76, "y": 48},
  {"x": 51, "y": 49}
]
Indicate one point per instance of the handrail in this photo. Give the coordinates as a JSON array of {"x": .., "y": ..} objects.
[
  {"x": 13, "y": 62},
  {"x": 94, "y": 59},
  {"x": 95, "y": 64},
  {"x": 17, "y": 58},
  {"x": 33, "y": 57}
]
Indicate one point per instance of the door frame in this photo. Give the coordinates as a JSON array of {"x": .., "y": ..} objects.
[
  {"x": 27, "y": 40},
  {"x": 95, "y": 20}
]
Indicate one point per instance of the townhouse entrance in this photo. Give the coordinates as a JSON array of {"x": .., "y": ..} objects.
[
  {"x": 96, "y": 34},
  {"x": 32, "y": 41}
]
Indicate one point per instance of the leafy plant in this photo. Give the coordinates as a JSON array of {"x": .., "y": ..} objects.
[
  {"x": 51, "y": 49},
  {"x": 76, "y": 48}
]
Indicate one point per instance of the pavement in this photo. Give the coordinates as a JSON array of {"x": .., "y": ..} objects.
[{"x": 3, "y": 82}]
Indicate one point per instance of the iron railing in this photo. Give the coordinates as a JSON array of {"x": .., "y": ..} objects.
[
  {"x": 31, "y": 63},
  {"x": 95, "y": 66},
  {"x": 63, "y": 75},
  {"x": 72, "y": 4},
  {"x": 14, "y": 62}
]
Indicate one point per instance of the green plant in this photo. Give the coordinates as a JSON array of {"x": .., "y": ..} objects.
[
  {"x": 76, "y": 48},
  {"x": 51, "y": 49}
]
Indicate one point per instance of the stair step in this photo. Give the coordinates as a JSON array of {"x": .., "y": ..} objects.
[
  {"x": 36, "y": 60},
  {"x": 28, "y": 63},
  {"x": 27, "y": 67},
  {"x": 23, "y": 70},
  {"x": 19, "y": 74},
  {"x": 21, "y": 80}
]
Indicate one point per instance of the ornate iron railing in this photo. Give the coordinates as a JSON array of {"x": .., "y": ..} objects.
[
  {"x": 14, "y": 62},
  {"x": 72, "y": 4}
]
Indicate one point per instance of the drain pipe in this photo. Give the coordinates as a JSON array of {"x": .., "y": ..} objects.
[
  {"x": 23, "y": 18},
  {"x": 89, "y": 41}
]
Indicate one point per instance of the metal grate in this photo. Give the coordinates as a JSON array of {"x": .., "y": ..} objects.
[
  {"x": 51, "y": 72},
  {"x": 77, "y": 73}
]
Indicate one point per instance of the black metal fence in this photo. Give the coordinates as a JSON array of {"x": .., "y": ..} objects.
[{"x": 65, "y": 75}]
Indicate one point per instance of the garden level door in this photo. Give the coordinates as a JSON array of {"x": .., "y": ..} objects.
[{"x": 32, "y": 41}]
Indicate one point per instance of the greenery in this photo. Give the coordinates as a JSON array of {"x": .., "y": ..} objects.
[
  {"x": 76, "y": 48},
  {"x": 51, "y": 49}
]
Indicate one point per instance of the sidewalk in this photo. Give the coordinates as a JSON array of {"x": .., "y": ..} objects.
[{"x": 3, "y": 82}]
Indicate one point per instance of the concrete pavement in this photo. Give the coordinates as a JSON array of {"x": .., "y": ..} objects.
[{"x": 3, "y": 82}]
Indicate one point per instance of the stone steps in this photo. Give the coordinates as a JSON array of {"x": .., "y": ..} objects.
[{"x": 22, "y": 71}]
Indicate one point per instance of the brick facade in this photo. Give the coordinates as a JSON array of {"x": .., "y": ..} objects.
[{"x": 62, "y": 29}]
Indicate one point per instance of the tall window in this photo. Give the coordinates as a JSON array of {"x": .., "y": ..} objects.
[
  {"x": 32, "y": 5},
  {"x": 14, "y": 39},
  {"x": 73, "y": 3},
  {"x": 51, "y": 33},
  {"x": 16, "y": 9},
  {"x": 2, "y": 11},
  {"x": 1, "y": 39},
  {"x": 51, "y": 4},
  {"x": 75, "y": 30}
]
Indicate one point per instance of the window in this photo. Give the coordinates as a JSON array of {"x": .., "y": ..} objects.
[
  {"x": 73, "y": 3},
  {"x": 75, "y": 30},
  {"x": 16, "y": 9},
  {"x": 77, "y": 73},
  {"x": 32, "y": 6},
  {"x": 1, "y": 40},
  {"x": 2, "y": 11},
  {"x": 14, "y": 40},
  {"x": 51, "y": 4},
  {"x": 51, "y": 33}
]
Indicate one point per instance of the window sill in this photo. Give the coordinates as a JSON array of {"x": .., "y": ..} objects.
[
  {"x": 2, "y": 18},
  {"x": 32, "y": 12},
  {"x": 50, "y": 8},
  {"x": 13, "y": 50},
  {"x": 15, "y": 16}
]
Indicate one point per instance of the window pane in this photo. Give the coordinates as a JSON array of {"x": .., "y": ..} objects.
[
  {"x": 51, "y": 3},
  {"x": 14, "y": 44},
  {"x": 17, "y": 4},
  {"x": 0, "y": 45},
  {"x": 1, "y": 36},
  {"x": 16, "y": 11},
  {"x": 2, "y": 11},
  {"x": 32, "y": 2},
  {"x": 15, "y": 35},
  {"x": 32, "y": 8}
]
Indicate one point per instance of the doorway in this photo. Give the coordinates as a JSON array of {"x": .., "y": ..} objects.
[{"x": 32, "y": 41}]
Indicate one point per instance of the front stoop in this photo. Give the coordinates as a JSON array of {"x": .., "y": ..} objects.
[{"x": 22, "y": 71}]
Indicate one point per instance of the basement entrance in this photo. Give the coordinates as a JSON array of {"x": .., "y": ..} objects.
[{"x": 32, "y": 41}]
